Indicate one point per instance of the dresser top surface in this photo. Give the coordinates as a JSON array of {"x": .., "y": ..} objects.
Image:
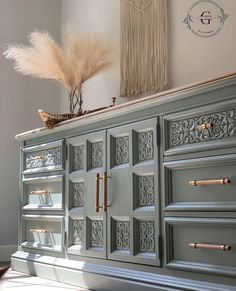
[{"x": 131, "y": 106}]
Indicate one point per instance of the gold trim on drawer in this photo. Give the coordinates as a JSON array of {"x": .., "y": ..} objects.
[
  {"x": 210, "y": 246},
  {"x": 38, "y": 192},
  {"x": 38, "y": 230},
  {"x": 204, "y": 126},
  {"x": 209, "y": 182}
]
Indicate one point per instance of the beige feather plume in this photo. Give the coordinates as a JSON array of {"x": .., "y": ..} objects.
[{"x": 81, "y": 59}]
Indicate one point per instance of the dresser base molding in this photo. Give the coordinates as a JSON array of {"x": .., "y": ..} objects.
[{"x": 104, "y": 278}]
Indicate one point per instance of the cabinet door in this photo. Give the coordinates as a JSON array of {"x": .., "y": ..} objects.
[
  {"x": 133, "y": 194},
  {"x": 86, "y": 227}
]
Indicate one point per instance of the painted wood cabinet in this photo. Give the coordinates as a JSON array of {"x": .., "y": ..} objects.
[{"x": 140, "y": 196}]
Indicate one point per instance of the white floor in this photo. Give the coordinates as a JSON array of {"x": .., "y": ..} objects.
[{"x": 14, "y": 281}]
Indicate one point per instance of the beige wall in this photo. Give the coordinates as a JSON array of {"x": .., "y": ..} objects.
[
  {"x": 95, "y": 16},
  {"x": 191, "y": 58},
  {"x": 20, "y": 98}
]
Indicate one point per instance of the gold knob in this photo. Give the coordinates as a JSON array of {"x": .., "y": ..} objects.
[{"x": 204, "y": 126}]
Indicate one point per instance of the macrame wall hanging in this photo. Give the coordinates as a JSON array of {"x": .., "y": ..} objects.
[{"x": 143, "y": 46}]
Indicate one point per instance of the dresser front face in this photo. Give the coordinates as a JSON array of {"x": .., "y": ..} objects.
[{"x": 126, "y": 228}]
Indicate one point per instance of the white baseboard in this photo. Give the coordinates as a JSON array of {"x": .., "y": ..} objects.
[{"x": 6, "y": 251}]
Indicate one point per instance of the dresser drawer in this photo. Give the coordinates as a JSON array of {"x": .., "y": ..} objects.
[
  {"x": 43, "y": 193},
  {"x": 202, "y": 244},
  {"x": 187, "y": 129},
  {"x": 43, "y": 232},
  {"x": 43, "y": 157},
  {"x": 201, "y": 184}
]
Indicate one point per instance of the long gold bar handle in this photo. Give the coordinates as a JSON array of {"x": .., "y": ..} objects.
[
  {"x": 38, "y": 192},
  {"x": 209, "y": 182},
  {"x": 38, "y": 230},
  {"x": 210, "y": 246},
  {"x": 97, "y": 193},
  {"x": 104, "y": 204},
  {"x": 204, "y": 126}
]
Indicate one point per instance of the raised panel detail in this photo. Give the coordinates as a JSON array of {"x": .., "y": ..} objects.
[
  {"x": 43, "y": 158},
  {"x": 145, "y": 146},
  {"x": 187, "y": 131},
  {"x": 146, "y": 236},
  {"x": 146, "y": 190},
  {"x": 121, "y": 150},
  {"x": 78, "y": 158},
  {"x": 78, "y": 194},
  {"x": 122, "y": 235},
  {"x": 97, "y": 154},
  {"x": 96, "y": 232},
  {"x": 78, "y": 231}
]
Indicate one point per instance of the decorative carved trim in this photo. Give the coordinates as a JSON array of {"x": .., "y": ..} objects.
[
  {"x": 78, "y": 157},
  {"x": 97, "y": 233},
  {"x": 146, "y": 190},
  {"x": 147, "y": 236},
  {"x": 44, "y": 158},
  {"x": 78, "y": 231},
  {"x": 97, "y": 154},
  {"x": 78, "y": 194},
  {"x": 122, "y": 150},
  {"x": 145, "y": 146},
  {"x": 187, "y": 131},
  {"x": 122, "y": 235}
]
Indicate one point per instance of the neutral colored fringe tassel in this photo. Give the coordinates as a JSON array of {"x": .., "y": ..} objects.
[{"x": 143, "y": 46}]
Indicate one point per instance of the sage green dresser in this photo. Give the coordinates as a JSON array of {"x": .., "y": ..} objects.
[{"x": 140, "y": 196}]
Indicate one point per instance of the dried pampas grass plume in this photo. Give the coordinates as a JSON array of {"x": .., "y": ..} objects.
[{"x": 81, "y": 59}]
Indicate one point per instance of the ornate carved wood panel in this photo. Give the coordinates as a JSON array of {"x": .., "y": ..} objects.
[
  {"x": 121, "y": 150},
  {"x": 145, "y": 146},
  {"x": 78, "y": 194},
  {"x": 97, "y": 154},
  {"x": 78, "y": 231},
  {"x": 44, "y": 158},
  {"x": 79, "y": 157},
  {"x": 122, "y": 235},
  {"x": 186, "y": 131},
  {"x": 146, "y": 190},
  {"x": 146, "y": 236},
  {"x": 97, "y": 233}
]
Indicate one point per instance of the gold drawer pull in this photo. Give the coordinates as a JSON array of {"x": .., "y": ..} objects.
[
  {"x": 210, "y": 246},
  {"x": 209, "y": 182},
  {"x": 38, "y": 192},
  {"x": 38, "y": 158},
  {"x": 204, "y": 126},
  {"x": 38, "y": 230}
]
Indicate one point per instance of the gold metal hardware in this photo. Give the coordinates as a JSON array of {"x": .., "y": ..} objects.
[
  {"x": 204, "y": 126},
  {"x": 210, "y": 246},
  {"x": 38, "y": 230},
  {"x": 97, "y": 193},
  {"x": 38, "y": 158},
  {"x": 104, "y": 204},
  {"x": 38, "y": 192},
  {"x": 209, "y": 182}
]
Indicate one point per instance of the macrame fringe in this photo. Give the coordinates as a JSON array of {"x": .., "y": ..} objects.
[{"x": 143, "y": 46}]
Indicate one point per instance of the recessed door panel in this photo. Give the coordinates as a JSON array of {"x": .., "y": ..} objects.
[
  {"x": 133, "y": 196},
  {"x": 86, "y": 227}
]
